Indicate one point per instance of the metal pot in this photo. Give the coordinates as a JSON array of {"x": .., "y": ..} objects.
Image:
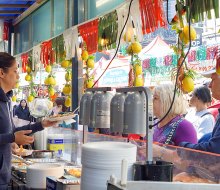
[{"x": 43, "y": 154}]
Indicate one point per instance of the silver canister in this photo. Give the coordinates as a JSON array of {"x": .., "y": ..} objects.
[
  {"x": 85, "y": 105},
  {"x": 135, "y": 113},
  {"x": 100, "y": 110},
  {"x": 117, "y": 113}
]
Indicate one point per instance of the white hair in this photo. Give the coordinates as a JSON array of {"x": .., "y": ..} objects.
[{"x": 165, "y": 93}]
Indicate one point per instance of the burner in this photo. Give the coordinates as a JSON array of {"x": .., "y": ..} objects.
[{"x": 19, "y": 175}]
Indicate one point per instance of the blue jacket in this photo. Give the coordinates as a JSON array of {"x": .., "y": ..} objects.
[
  {"x": 213, "y": 145},
  {"x": 7, "y": 130},
  {"x": 22, "y": 113}
]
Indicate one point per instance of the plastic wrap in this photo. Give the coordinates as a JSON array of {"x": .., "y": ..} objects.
[{"x": 190, "y": 165}]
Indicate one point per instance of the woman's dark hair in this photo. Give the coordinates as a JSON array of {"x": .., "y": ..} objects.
[
  {"x": 61, "y": 101},
  {"x": 203, "y": 94},
  {"x": 23, "y": 100},
  {"x": 6, "y": 61}
]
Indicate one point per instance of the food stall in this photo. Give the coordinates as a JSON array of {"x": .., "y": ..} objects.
[{"x": 132, "y": 108}]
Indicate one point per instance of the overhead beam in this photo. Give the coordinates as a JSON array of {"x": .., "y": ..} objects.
[
  {"x": 11, "y": 12},
  {"x": 7, "y": 17},
  {"x": 32, "y": 8},
  {"x": 14, "y": 6}
]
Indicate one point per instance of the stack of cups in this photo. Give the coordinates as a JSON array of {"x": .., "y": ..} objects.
[{"x": 102, "y": 159}]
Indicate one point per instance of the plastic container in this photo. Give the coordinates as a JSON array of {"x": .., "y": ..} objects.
[
  {"x": 158, "y": 171},
  {"x": 55, "y": 142}
]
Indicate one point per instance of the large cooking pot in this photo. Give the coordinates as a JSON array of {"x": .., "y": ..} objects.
[
  {"x": 43, "y": 154},
  {"x": 37, "y": 173}
]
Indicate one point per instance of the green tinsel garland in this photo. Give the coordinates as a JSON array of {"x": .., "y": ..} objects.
[{"x": 108, "y": 29}]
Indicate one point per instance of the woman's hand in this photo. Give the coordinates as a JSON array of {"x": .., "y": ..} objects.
[
  {"x": 158, "y": 151},
  {"x": 22, "y": 138},
  {"x": 14, "y": 148}
]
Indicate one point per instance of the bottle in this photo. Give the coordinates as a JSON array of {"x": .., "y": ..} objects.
[
  {"x": 79, "y": 151},
  {"x": 60, "y": 153}
]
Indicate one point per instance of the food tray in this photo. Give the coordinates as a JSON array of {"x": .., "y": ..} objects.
[{"x": 61, "y": 117}]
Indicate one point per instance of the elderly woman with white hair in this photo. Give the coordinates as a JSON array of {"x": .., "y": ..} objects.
[{"x": 174, "y": 129}]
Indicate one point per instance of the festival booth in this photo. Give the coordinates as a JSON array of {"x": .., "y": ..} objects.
[{"x": 121, "y": 103}]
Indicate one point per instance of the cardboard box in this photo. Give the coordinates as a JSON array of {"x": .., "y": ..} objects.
[{"x": 53, "y": 184}]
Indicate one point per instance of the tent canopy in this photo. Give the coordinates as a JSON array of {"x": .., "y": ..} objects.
[{"x": 157, "y": 48}]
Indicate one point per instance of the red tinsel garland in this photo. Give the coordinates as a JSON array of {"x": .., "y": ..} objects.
[
  {"x": 6, "y": 31},
  {"x": 47, "y": 55},
  {"x": 25, "y": 61},
  {"x": 151, "y": 15},
  {"x": 89, "y": 33}
]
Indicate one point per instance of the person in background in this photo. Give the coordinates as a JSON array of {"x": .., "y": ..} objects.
[
  {"x": 59, "y": 107},
  {"x": 8, "y": 133},
  {"x": 22, "y": 110},
  {"x": 199, "y": 115},
  {"x": 213, "y": 143},
  {"x": 174, "y": 129}
]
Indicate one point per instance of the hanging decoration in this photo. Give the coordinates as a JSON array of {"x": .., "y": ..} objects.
[
  {"x": 185, "y": 80},
  {"x": 204, "y": 9},
  {"x": 88, "y": 65},
  {"x": 170, "y": 61},
  {"x": 6, "y": 31},
  {"x": 136, "y": 20},
  {"x": 58, "y": 49},
  {"x": 16, "y": 90},
  {"x": 107, "y": 31},
  {"x": 133, "y": 26},
  {"x": 47, "y": 53},
  {"x": 36, "y": 58},
  {"x": 28, "y": 67},
  {"x": 89, "y": 33},
  {"x": 25, "y": 61},
  {"x": 67, "y": 89},
  {"x": 19, "y": 62},
  {"x": 122, "y": 12},
  {"x": 135, "y": 77},
  {"x": 68, "y": 43},
  {"x": 152, "y": 15},
  {"x": 50, "y": 80},
  {"x": 76, "y": 51}
]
